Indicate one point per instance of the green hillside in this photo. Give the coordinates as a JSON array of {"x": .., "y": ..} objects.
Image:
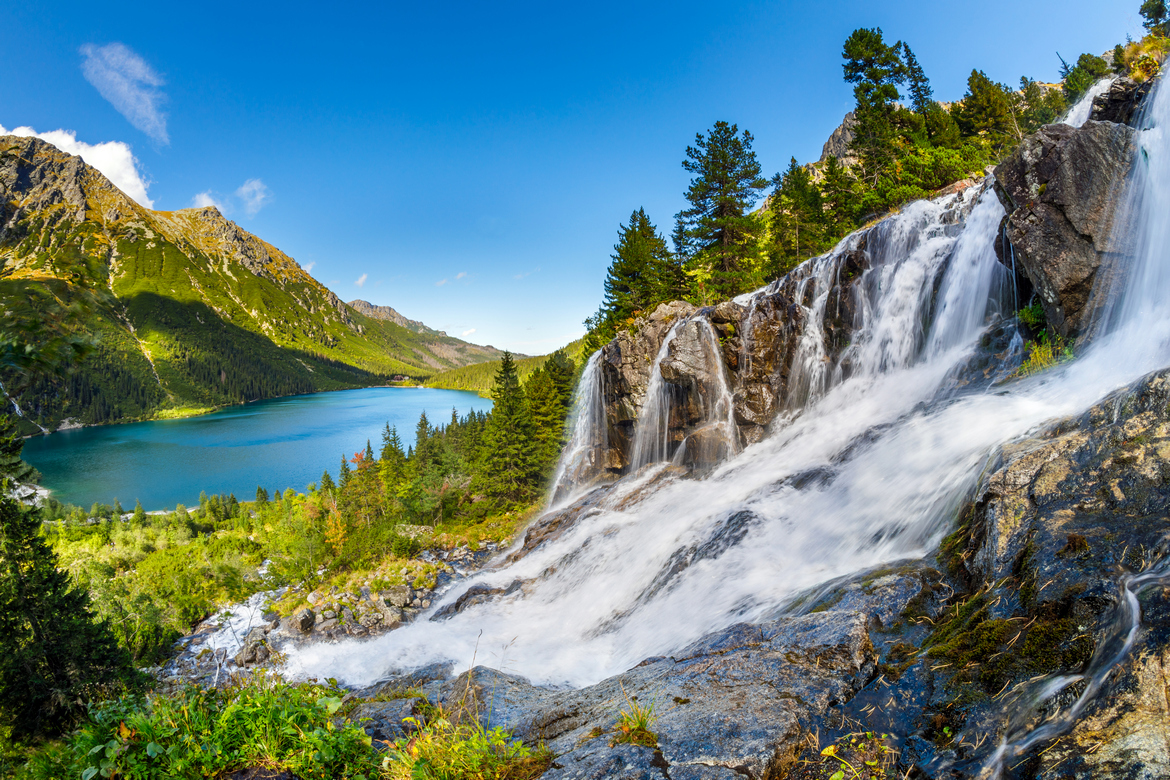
[
  {"x": 189, "y": 311},
  {"x": 479, "y": 377}
]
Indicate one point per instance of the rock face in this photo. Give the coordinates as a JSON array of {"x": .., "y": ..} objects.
[
  {"x": 1121, "y": 102},
  {"x": 840, "y": 141},
  {"x": 1058, "y": 189},
  {"x": 1053, "y": 529},
  {"x": 728, "y": 705}
]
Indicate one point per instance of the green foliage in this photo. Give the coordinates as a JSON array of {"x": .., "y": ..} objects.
[
  {"x": 635, "y": 723},
  {"x": 511, "y": 463},
  {"x": 446, "y": 747},
  {"x": 1078, "y": 78},
  {"x": 1155, "y": 17},
  {"x": 876, "y": 69},
  {"x": 197, "y": 733},
  {"x": 715, "y": 236},
  {"x": 479, "y": 377},
  {"x": 53, "y": 654}
]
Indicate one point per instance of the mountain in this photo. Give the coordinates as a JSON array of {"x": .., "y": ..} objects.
[
  {"x": 387, "y": 313},
  {"x": 458, "y": 353},
  {"x": 195, "y": 312}
]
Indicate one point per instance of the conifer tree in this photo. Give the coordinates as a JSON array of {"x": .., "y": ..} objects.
[
  {"x": 875, "y": 69},
  {"x": 986, "y": 110},
  {"x": 1155, "y": 17},
  {"x": 510, "y": 468},
  {"x": 716, "y": 235},
  {"x": 327, "y": 486},
  {"x": 798, "y": 220},
  {"x": 261, "y": 495},
  {"x": 921, "y": 95},
  {"x": 643, "y": 272},
  {"x": 53, "y": 655}
]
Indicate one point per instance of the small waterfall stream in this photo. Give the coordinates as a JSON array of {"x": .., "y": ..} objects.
[{"x": 581, "y": 462}]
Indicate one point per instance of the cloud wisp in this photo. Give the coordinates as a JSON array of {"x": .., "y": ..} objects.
[
  {"x": 467, "y": 333},
  {"x": 204, "y": 199},
  {"x": 308, "y": 267},
  {"x": 113, "y": 158},
  {"x": 130, "y": 85},
  {"x": 441, "y": 282},
  {"x": 460, "y": 275},
  {"x": 254, "y": 193},
  {"x": 361, "y": 280}
]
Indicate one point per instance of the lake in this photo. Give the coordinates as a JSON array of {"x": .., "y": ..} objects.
[{"x": 279, "y": 443}]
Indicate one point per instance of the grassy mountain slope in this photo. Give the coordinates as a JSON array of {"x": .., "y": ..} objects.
[
  {"x": 479, "y": 377},
  {"x": 195, "y": 312}
]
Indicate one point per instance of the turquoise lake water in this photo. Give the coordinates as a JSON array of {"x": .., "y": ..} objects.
[{"x": 280, "y": 443}]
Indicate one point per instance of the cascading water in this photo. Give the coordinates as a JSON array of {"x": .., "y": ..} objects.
[
  {"x": 652, "y": 436},
  {"x": 879, "y": 449},
  {"x": 1083, "y": 108},
  {"x": 582, "y": 461}
]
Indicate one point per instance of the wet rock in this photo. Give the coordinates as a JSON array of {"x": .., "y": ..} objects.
[
  {"x": 1058, "y": 189},
  {"x": 255, "y": 648},
  {"x": 1122, "y": 102},
  {"x": 726, "y": 702},
  {"x": 327, "y": 625}
]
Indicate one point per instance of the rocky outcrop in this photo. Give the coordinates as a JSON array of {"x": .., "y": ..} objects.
[
  {"x": 1121, "y": 103},
  {"x": 391, "y": 315},
  {"x": 1058, "y": 188},
  {"x": 840, "y": 141}
]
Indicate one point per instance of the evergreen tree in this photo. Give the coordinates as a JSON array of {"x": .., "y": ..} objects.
[
  {"x": 1155, "y": 17},
  {"x": 510, "y": 468},
  {"x": 798, "y": 220},
  {"x": 327, "y": 486},
  {"x": 261, "y": 495},
  {"x": 549, "y": 392},
  {"x": 343, "y": 474},
  {"x": 875, "y": 69},
  {"x": 921, "y": 95},
  {"x": 987, "y": 111},
  {"x": 716, "y": 234},
  {"x": 643, "y": 272},
  {"x": 53, "y": 655},
  {"x": 11, "y": 445},
  {"x": 1084, "y": 74}
]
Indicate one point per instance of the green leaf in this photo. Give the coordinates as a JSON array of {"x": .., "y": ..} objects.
[
  {"x": 331, "y": 703},
  {"x": 153, "y": 749},
  {"x": 89, "y": 773},
  {"x": 838, "y": 775}
]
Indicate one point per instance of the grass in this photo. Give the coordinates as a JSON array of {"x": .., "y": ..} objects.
[
  {"x": 634, "y": 724},
  {"x": 446, "y": 747}
]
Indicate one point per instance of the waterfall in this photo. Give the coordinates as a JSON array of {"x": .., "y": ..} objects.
[
  {"x": 880, "y": 447},
  {"x": 581, "y": 462},
  {"x": 652, "y": 435},
  {"x": 1083, "y": 108}
]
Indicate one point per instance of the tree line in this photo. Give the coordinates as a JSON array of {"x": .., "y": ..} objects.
[{"x": 906, "y": 145}]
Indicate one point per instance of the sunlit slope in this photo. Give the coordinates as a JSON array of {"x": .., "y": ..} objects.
[{"x": 194, "y": 311}]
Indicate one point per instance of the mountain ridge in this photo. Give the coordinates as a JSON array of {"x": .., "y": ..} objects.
[{"x": 196, "y": 313}]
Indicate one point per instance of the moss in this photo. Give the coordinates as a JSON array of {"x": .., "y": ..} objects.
[
  {"x": 827, "y": 603},
  {"x": 952, "y": 551}
]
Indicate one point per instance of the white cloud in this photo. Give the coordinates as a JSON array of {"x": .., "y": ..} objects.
[
  {"x": 113, "y": 158},
  {"x": 467, "y": 333},
  {"x": 361, "y": 280},
  {"x": 205, "y": 199},
  {"x": 130, "y": 84},
  {"x": 526, "y": 273},
  {"x": 308, "y": 267},
  {"x": 461, "y": 274},
  {"x": 441, "y": 282},
  {"x": 255, "y": 194}
]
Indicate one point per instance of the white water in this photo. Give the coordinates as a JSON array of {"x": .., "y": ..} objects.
[
  {"x": 581, "y": 462},
  {"x": 889, "y": 446},
  {"x": 1080, "y": 111}
]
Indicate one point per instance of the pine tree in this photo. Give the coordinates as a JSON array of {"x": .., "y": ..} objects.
[
  {"x": 53, "y": 655},
  {"x": 643, "y": 272},
  {"x": 716, "y": 235},
  {"x": 510, "y": 470},
  {"x": 876, "y": 69},
  {"x": 921, "y": 95},
  {"x": 327, "y": 486},
  {"x": 986, "y": 110},
  {"x": 1155, "y": 17},
  {"x": 798, "y": 220},
  {"x": 261, "y": 495},
  {"x": 11, "y": 445}
]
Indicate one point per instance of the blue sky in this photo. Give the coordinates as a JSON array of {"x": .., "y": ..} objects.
[{"x": 467, "y": 163}]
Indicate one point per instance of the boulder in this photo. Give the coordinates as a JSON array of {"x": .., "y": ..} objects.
[
  {"x": 1059, "y": 189},
  {"x": 255, "y": 648},
  {"x": 396, "y": 596},
  {"x": 302, "y": 621}
]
